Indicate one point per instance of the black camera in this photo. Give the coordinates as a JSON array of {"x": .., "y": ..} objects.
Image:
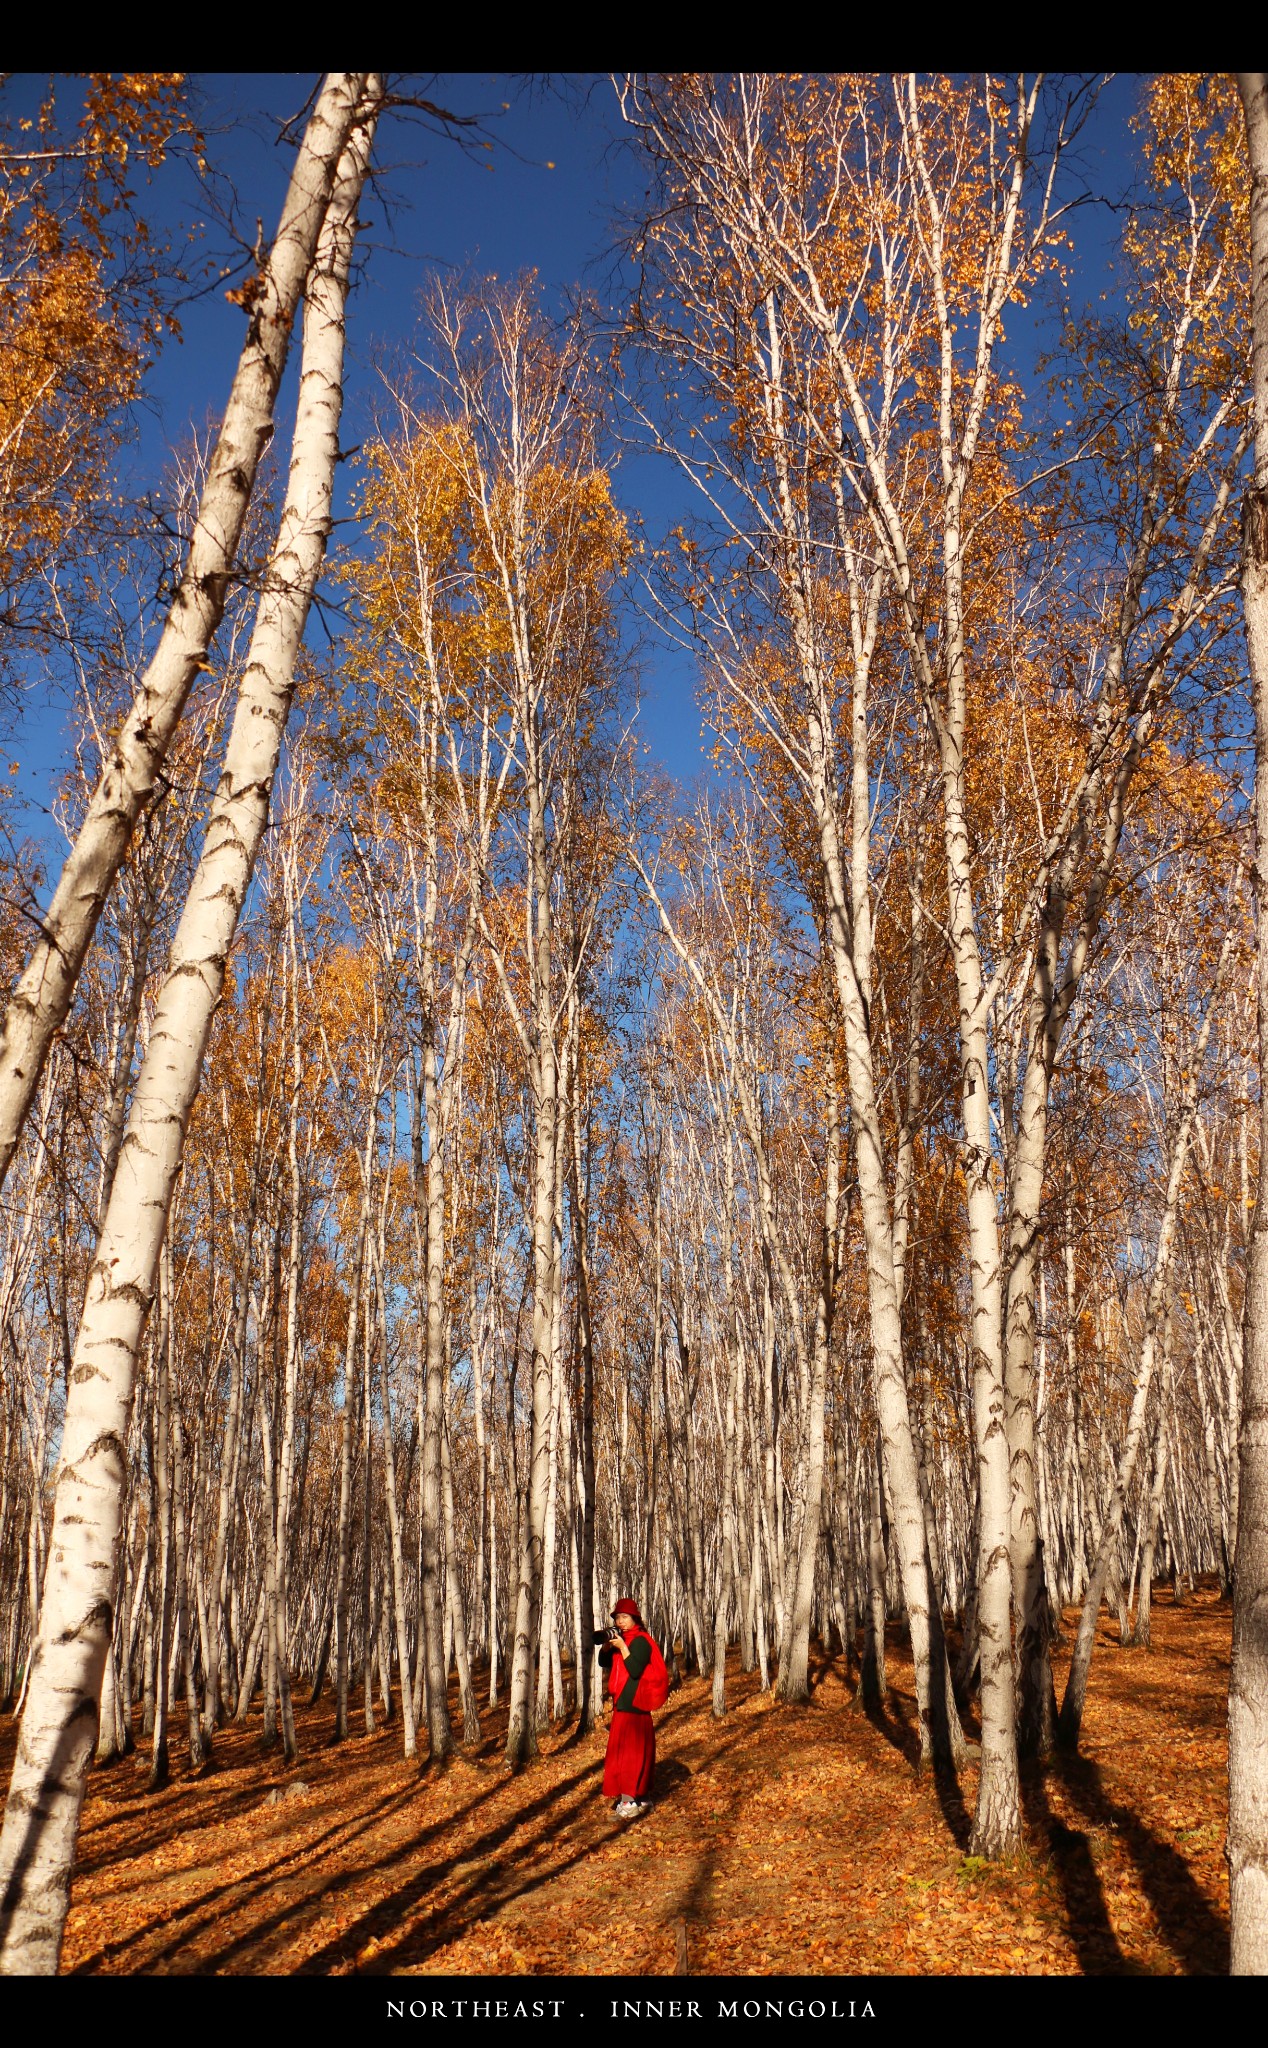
[{"x": 604, "y": 1635}]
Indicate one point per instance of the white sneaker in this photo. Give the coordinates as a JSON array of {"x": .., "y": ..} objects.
[{"x": 627, "y": 1809}]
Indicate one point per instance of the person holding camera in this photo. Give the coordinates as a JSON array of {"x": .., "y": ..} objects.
[{"x": 637, "y": 1681}]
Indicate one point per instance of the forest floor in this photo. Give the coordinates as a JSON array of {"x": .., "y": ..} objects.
[{"x": 793, "y": 1840}]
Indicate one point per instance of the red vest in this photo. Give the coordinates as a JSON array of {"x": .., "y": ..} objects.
[{"x": 655, "y": 1678}]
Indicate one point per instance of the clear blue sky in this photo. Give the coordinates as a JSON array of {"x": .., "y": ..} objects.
[{"x": 498, "y": 211}]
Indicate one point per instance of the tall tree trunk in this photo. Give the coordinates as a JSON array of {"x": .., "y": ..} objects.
[
  {"x": 347, "y": 1433},
  {"x": 1156, "y": 1309},
  {"x": 394, "y": 1528},
  {"x": 873, "y": 1686},
  {"x": 41, "y": 999},
  {"x": 214, "y": 1690},
  {"x": 432, "y": 1590},
  {"x": 453, "y": 1594},
  {"x": 521, "y": 1739},
  {"x": 1248, "y": 1685},
  {"x": 184, "y": 1620},
  {"x": 162, "y": 1466},
  {"x": 59, "y": 1725},
  {"x": 1141, "y": 1634},
  {"x": 584, "y": 1352},
  {"x": 793, "y": 1682}
]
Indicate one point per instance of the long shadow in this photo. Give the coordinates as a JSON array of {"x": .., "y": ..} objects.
[
  {"x": 189, "y": 1921},
  {"x": 692, "y": 1903},
  {"x": 489, "y": 1893},
  {"x": 1195, "y": 1933},
  {"x": 425, "y": 1879},
  {"x": 946, "y": 1784},
  {"x": 1087, "y": 1916},
  {"x": 212, "y": 1812},
  {"x": 482, "y": 1896},
  {"x": 127, "y": 1797},
  {"x": 893, "y": 1718}
]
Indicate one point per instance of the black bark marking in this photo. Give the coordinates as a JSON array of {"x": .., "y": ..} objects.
[{"x": 1255, "y": 527}]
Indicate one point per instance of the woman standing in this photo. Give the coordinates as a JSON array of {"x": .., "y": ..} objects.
[{"x": 631, "y": 1757}]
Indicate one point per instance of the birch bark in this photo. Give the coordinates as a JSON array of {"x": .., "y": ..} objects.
[
  {"x": 59, "y": 1726},
  {"x": 41, "y": 999},
  {"x": 1156, "y": 1310},
  {"x": 1247, "y": 1848}
]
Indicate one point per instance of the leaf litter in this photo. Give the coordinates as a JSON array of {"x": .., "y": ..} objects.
[{"x": 784, "y": 1839}]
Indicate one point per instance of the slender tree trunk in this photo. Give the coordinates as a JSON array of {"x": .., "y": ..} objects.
[
  {"x": 586, "y": 1716},
  {"x": 794, "y": 1678},
  {"x": 1156, "y": 1309},
  {"x": 394, "y": 1533},
  {"x": 728, "y": 1573},
  {"x": 521, "y": 1740},
  {"x": 453, "y": 1594},
  {"x": 184, "y": 1621},
  {"x": 872, "y": 1686},
  {"x": 367, "y": 1527},
  {"x": 347, "y": 1432},
  {"x": 1247, "y": 1849},
  {"x": 41, "y": 999},
  {"x": 59, "y": 1726},
  {"x": 162, "y": 1463},
  {"x": 214, "y": 1692},
  {"x": 432, "y": 1590}
]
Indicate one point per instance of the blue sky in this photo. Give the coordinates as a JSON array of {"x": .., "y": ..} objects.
[
  {"x": 479, "y": 210},
  {"x": 500, "y": 211}
]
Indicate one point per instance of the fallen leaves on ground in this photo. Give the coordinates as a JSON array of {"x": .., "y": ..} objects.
[{"x": 786, "y": 1839}]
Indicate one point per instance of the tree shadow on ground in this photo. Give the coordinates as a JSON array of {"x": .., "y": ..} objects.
[
  {"x": 509, "y": 1847},
  {"x": 946, "y": 1784},
  {"x": 692, "y": 1903},
  {"x": 894, "y": 1718},
  {"x": 1070, "y": 1849},
  {"x": 1196, "y": 1934},
  {"x": 202, "y": 1912}
]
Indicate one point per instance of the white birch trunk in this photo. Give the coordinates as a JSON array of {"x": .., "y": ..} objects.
[
  {"x": 793, "y": 1682},
  {"x": 521, "y": 1740},
  {"x": 1248, "y": 1687},
  {"x": 59, "y": 1725},
  {"x": 410, "y": 1736},
  {"x": 1156, "y": 1308},
  {"x": 41, "y": 999}
]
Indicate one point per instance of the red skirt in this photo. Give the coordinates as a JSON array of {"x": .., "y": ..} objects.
[{"x": 631, "y": 1757}]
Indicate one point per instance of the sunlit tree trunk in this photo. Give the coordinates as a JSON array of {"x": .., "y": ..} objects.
[
  {"x": 1156, "y": 1309},
  {"x": 215, "y": 1692},
  {"x": 397, "y": 1559},
  {"x": 1142, "y": 1633},
  {"x": 793, "y": 1682},
  {"x": 453, "y": 1594},
  {"x": 347, "y": 1431},
  {"x": 41, "y": 999},
  {"x": 1248, "y": 1685},
  {"x": 584, "y": 1412},
  {"x": 59, "y": 1725},
  {"x": 162, "y": 1467}
]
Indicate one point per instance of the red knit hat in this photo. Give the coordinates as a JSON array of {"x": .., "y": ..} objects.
[{"x": 627, "y": 1606}]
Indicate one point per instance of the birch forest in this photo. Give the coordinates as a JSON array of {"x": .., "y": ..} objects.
[{"x": 458, "y": 1171}]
